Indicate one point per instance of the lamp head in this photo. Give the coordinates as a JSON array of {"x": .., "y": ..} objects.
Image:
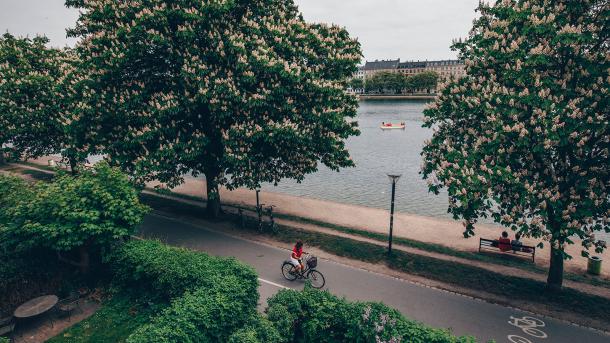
[{"x": 394, "y": 177}]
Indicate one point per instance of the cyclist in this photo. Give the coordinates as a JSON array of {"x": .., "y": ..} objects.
[{"x": 295, "y": 257}]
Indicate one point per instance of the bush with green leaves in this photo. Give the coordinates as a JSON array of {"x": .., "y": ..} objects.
[
  {"x": 318, "y": 316},
  {"x": 258, "y": 330},
  {"x": 208, "y": 314},
  {"x": 212, "y": 297},
  {"x": 170, "y": 271},
  {"x": 94, "y": 208},
  {"x": 12, "y": 190}
]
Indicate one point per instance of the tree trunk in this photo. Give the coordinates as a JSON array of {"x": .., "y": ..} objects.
[
  {"x": 84, "y": 259},
  {"x": 72, "y": 166},
  {"x": 555, "y": 278},
  {"x": 2, "y": 160},
  {"x": 213, "y": 204}
]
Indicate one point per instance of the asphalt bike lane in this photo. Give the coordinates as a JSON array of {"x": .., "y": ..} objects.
[{"x": 437, "y": 308}]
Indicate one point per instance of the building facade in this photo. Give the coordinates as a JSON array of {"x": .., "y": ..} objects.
[{"x": 444, "y": 68}]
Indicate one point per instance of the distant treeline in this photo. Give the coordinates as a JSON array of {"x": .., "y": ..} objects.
[{"x": 395, "y": 83}]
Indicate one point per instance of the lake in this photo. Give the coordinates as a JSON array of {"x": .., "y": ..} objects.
[{"x": 376, "y": 153}]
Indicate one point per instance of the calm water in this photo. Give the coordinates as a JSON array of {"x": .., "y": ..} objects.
[{"x": 376, "y": 153}]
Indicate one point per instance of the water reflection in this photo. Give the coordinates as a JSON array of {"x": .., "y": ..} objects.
[{"x": 377, "y": 152}]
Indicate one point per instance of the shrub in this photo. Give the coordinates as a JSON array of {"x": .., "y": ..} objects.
[
  {"x": 171, "y": 271},
  {"x": 212, "y": 297},
  {"x": 204, "y": 315},
  {"x": 317, "y": 316},
  {"x": 12, "y": 189},
  {"x": 96, "y": 207},
  {"x": 258, "y": 330}
]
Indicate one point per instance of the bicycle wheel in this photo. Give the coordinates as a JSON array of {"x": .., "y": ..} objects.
[
  {"x": 316, "y": 278},
  {"x": 287, "y": 268}
]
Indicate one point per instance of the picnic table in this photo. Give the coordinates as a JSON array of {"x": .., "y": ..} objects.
[{"x": 36, "y": 306}]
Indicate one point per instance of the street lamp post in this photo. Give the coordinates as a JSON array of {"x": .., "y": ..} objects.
[{"x": 393, "y": 178}]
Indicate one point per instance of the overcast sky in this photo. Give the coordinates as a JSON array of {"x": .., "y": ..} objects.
[{"x": 406, "y": 29}]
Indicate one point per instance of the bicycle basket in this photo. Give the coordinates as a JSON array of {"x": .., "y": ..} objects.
[{"x": 312, "y": 262}]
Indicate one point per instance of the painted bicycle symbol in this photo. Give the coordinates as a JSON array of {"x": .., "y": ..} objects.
[
  {"x": 529, "y": 326},
  {"x": 518, "y": 339}
]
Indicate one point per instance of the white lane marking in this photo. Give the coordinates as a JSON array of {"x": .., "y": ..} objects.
[
  {"x": 199, "y": 226},
  {"x": 273, "y": 283},
  {"x": 518, "y": 339},
  {"x": 529, "y": 325}
]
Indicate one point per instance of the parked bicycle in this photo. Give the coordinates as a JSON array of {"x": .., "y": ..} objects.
[
  {"x": 272, "y": 225},
  {"x": 259, "y": 213},
  {"x": 309, "y": 273}
]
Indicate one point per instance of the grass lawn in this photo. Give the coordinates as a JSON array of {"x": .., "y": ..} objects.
[
  {"x": 519, "y": 289},
  {"x": 474, "y": 256},
  {"x": 487, "y": 257},
  {"x": 113, "y": 322}
]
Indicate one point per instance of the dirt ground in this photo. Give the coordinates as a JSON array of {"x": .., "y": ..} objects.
[
  {"x": 420, "y": 228},
  {"x": 48, "y": 325}
]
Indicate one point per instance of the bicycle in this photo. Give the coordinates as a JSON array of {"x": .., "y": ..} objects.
[
  {"x": 259, "y": 212},
  {"x": 272, "y": 225},
  {"x": 309, "y": 273}
]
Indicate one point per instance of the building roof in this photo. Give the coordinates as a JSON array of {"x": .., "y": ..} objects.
[
  {"x": 409, "y": 65},
  {"x": 384, "y": 64},
  {"x": 444, "y": 62}
]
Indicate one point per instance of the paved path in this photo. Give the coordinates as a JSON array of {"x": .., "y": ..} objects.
[
  {"x": 420, "y": 228},
  {"x": 431, "y": 306}
]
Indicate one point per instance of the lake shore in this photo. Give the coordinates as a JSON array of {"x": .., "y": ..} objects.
[
  {"x": 421, "y": 228},
  {"x": 416, "y": 227},
  {"x": 397, "y": 97}
]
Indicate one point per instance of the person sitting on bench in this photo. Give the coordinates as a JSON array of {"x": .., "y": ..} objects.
[
  {"x": 504, "y": 242},
  {"x": 516, "y": 243}
]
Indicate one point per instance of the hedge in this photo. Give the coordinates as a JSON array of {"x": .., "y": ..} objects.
[
  {"x": 258, "y": 330},
  {"x": 318, "y": 316},
  {"x": 211, "y": 297},
  {"x": 170, "y": 272},
  {"x": 204, "y": 315}
]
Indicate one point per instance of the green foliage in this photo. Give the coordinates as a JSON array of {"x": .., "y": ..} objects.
[
  {"x": 425, "y": 80},
  {"x": 114, "y": 321},
  {"x": 356, "y": 83},
  {"x": 258, "y": 329},
  {"x": 385, "y": 82},
  {"x": 35, "y": 96},
  {"x": 389, "y": 82},
  {"x": 5, "y": 340},
  {"x": 96, "y": 207},
  {"x": 211, "y": 297},
  {"x": 168, "y": 271},
  {"x": 239, "y": 88},
  {"x": 317, "y": 316},
  {"x": 208, "y": 314},
  {"x": 524, "y": 137},
  {"x": 13, "y": 190}
]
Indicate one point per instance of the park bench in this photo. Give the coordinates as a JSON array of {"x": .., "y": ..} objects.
[{"x": 519, "y": 250}]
